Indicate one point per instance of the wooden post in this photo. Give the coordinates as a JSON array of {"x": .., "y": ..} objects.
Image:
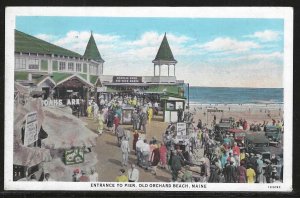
[
  {"x": 159, "y": 69},
  {"x": 174, "y": 69}
]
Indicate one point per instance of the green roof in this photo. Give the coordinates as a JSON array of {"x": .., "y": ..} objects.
[
  {"x": 57, "y": 77},
  {"x": 164, "y": 52},
  {"x": 83, "y": 76},
  {"x": 39, "y": 79},
  {"x": 163, "y": 89},
  {"x": 91, "y": 51},
  {"x": 29, "y": 44},
  {"x": 21, "y": 75},
  {"x": 93, "y": 79}
]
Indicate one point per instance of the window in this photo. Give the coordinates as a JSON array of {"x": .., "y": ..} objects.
[
  {"x": 62, "y": 65},
  {"x": 78, "y": 67},
  {"x": 71, "y": 66},
  {"x": 20, "y": 63},
  {"x": 94, "y": 69},
  {"x": 33, "y": 64}
]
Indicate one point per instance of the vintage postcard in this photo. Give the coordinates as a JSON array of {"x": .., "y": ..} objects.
[{"x": 148, "y": 99}]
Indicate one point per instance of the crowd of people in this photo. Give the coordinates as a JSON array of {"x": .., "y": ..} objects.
[
  {"x": 110, "y": 112},
  {"x": 222, "y": 160}
]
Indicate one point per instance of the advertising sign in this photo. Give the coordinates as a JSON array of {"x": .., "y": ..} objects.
[
  {"x": 101, "y": 89},
  {"x": 31, "y": 130},
  {"x": 127, "y": 79},
  {"x": 74, "y": 156},
  {"x": 181, "y": 130},
  {"x": 126, "y": 116}
]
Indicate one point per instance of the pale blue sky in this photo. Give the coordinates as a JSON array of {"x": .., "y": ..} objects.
[{"x": 210, "y": 52}]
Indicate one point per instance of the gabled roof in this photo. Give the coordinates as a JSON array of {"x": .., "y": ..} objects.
[
  {"x": 28, "y": 44},
  {"x": 57, "y": 77},
  {"x": 164, "y": 52},
  {"x": 74, "y": 76},
  {"x": 91, "y": 51}
]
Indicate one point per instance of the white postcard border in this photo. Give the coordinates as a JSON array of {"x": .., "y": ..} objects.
[{"x": 285, "y": 13}]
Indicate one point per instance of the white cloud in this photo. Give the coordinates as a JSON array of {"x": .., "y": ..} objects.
[
  {"x": 274, "y": 56},
  {"x": 46, "y": 37},
  {"x": 154, "y": 39},
  {"x": 77, "y": 40},
  {"x": 226, "y": 44},
  {"x": 266, "y": 35},
  {"x": 245, "y": 74}
]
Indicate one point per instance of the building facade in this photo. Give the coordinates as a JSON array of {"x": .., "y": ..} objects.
[{"x": 58, "y": 72}]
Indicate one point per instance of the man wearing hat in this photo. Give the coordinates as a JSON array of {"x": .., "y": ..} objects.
[
  {"x": 259, "y": 168},
  {"x": 135, "y": 120},
  {"x": 268, "y": 171},
  {"x": 176, "y": 165},
  {"x": 253, "y": 161},
  {"x": 138, "y": 147},
  {"x": 230, "y": 173},
  {"x": 242, "y": 173}
]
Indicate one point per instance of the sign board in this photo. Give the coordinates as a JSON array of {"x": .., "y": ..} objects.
[
  {"x": 74, "y": 156},
  {"x": 31, "y": 129},
  {"x": 181, "y": 129},
  {"x": 126, "y": 116},
  {"x": 101, "y": 89},
  {"x": 127, "y": 79}
]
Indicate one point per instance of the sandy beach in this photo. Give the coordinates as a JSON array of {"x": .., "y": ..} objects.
[{"x": 253, "y": 113}]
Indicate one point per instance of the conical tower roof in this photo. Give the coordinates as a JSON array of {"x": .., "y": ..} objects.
[
  {"x": 164, "y": 52},
  {"x": 91, "y": 51}
]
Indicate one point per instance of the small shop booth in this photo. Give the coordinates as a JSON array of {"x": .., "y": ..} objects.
[{"x": 171, "y": 106}]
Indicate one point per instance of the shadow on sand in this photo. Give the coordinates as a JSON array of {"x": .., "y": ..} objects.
[
  {"x": 116, "y": 162},
  {"x": 112, "y": 143}
]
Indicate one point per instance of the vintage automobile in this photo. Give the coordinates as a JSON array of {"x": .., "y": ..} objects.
[
  {"x": 238, "y": 135},
  {"x": 224, "y": 124},
  {"x": 257, "y": 143},
  {"x": 273, "y": 134}
]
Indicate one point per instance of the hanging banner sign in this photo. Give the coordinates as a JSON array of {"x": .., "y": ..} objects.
[
  {"x": 31, "y": 130},
  {"x": 127, "y": 79}
]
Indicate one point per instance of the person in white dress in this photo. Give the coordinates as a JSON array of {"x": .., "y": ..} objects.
[{"x": 93, "y": 176}]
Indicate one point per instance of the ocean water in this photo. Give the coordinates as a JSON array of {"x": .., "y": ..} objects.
[{"x": 226, "y": 95}]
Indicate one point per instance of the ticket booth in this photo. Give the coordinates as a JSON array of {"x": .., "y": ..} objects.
[{"x": 171, "y": 107}]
